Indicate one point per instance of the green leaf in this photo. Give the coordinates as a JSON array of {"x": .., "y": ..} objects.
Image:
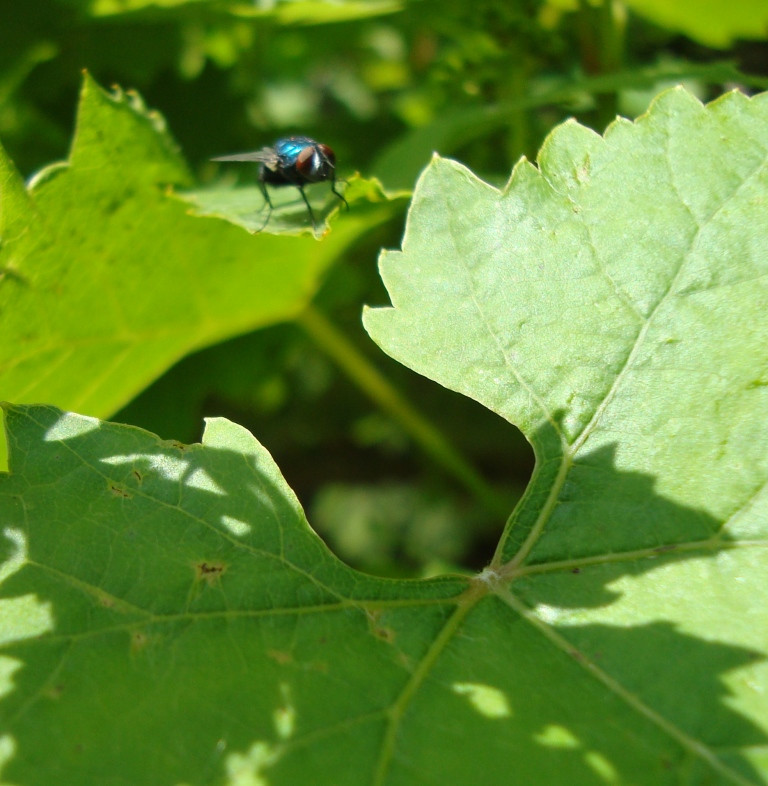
[
  {"x": 108, "y": 280},
  {"x": 219, "y": 614},
  {"x": 284, "y": 11},
  {"x": 245, "y": 206},
  {"x": 617, "y": 252},
  {"x": 400, "y": 162},
  {"x": 168, "y": 616},
  {"x": 716, "y": 23}
]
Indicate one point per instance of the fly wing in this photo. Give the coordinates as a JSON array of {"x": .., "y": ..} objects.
[{"x": 266, "y": 156}]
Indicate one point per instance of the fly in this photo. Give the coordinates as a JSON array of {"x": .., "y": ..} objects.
[{"x": 294, "y": 161}]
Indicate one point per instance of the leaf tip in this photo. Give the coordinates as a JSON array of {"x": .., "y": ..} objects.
[{"x": 89, "y": 84}]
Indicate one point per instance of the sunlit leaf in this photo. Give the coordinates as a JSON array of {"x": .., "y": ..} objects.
[
  {"x": 716, "y": 23},
  {"x": 107, "y": 278}
]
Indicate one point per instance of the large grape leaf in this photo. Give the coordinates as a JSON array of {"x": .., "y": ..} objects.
[
  {"x": 169, "y": 617},
  {"x": 107, "y": 280}
]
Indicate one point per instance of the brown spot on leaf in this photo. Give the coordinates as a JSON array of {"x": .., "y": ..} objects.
[
  {"x": 139, "y": 641},
  {"x": 380, "y": 631},
  {"x": 283, "y": 658},
  {"x": 173, "y": 443},
  {"x": 385, "y": 634},
  {"x": 54, "y": 691},
  {"x": 209, "y": 571},
  {"x": 404, "y": 661}
]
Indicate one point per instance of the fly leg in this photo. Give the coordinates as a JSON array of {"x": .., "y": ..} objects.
[
  {"x": 333, "y": 190},
  {"x": 309, "y": 207},
  {"x": 267, "y": 204}
]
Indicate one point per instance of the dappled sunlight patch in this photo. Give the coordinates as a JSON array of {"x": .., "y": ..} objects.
[
  {"x": 18, "y": 555},
  {"x": 601, "y": 766},
  {"x": 554, "y": 736},
  {"x": 167, "y": 467},
  {"x": 487, "y": 700},
  {"x": 284, "y": 716},
  {"x": 200, "y": 479},
  {"x": 547, "y": 613},
  {"x": 25, "y": 616},
  {"x": 69, "y": 426},
  {"x": 7, "y": 750},
  {"x": 247, "y": 769},
  {"x": 236, "y": 526},
  {"x": 8, "y": 667}
]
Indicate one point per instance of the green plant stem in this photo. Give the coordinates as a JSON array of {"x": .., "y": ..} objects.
[
  {"x": 518, "y": 134},
  {"x": 370, "y": 380},
  {"x": 601, "y": 30}
]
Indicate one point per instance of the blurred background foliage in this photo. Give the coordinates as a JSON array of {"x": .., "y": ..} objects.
[{"x": 384, "y": 83}]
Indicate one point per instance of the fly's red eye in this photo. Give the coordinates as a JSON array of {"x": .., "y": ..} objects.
[
  {"x": 327, "y": 153},
  {"x": 305, "y": 160}
]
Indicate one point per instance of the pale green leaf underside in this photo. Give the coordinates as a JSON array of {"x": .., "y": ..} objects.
[
  {"x": 612, "y": 304},
  {"x": 170, "y": 618}
]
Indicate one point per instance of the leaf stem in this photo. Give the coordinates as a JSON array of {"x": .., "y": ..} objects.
[
  {"x": 601, "y": 30},
  {"x": 419, "y": 675},
  {"x": 380, "y": 390}
]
